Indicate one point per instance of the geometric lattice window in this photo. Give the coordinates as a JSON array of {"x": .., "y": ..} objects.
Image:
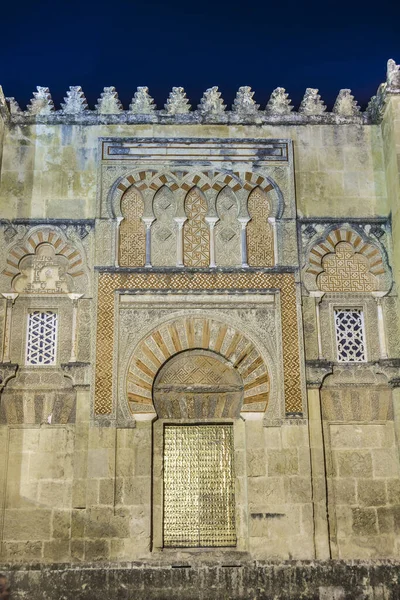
[
  {"x": 41, "y": 342},
  {"x": 350, "y": 337}
]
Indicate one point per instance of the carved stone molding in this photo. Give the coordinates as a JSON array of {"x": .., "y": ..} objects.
[
  {"x": 316, "y": 371},
  {"x": 79, "y": 373},
  {"x": 7, "y": 371}
]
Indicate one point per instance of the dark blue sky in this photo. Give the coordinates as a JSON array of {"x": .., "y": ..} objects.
[{"x": 196, "y": 45}]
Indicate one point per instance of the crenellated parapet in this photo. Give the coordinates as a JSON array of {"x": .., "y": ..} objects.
[{"x": 211, "y": 109}]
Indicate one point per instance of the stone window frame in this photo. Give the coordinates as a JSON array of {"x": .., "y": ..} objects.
[
  {"x": 29, "y": 312},
  {"x": 333, "y": 301},
  {"x": 240, "y": 477}
]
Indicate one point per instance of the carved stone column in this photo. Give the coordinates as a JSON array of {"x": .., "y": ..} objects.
[
  {"x": 74, "y": 329},
  {"x": 316, "y": 372},
  {"x": 381, "y": 323},
  {"x": 179, "y": 240},
  {"x": 317, "y": 298},
  {"x": 117, "y": 235},
  {"x": 10, "y": 299},
  {"x": 272, "y": 222},
  {"x": 148, "y": 221},
  {"x": 243, "y": 239},
  {"x": 211, "y": 223}
]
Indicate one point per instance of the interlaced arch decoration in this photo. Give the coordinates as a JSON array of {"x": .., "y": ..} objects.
[
  {"x": 345, "y": 262},
  {"x": 205, "y": 180},
  {"x": 196, "y": 233},
  {"x": 45, "y": 261},
  {"x": 132, "y": 233},
  {"x": 187, "y": 333},
  {"x": 260, "y": 236}
]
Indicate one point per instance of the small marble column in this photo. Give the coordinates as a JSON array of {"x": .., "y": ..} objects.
[
  {"x": 148, "y": 221},
  {"x": 74, "y": 331},
  {"x": 10, "y": 298},
  {"x": 211, "y": 223},
  {"x": 243, "y": 240},
  {"x": 117, "y": 234},
  {"x": 272, "y": 221},
  {"x": 179, "y": 240},
  {"x": 317, "y": 300},
  {"x": 381, "y": 323}
]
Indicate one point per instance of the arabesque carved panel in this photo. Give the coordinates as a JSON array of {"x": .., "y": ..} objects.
[
  {"x": 196, "y": 235},
  {"x": 227, "y": 230},
  {"x": 260, "y": 237},
  {"x": 132, "y": 234}
]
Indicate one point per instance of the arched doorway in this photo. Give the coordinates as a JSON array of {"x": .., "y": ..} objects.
[{"x": 198, "y": 396}]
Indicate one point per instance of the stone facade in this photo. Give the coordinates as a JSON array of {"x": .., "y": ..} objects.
[{"x": 201, "y": 268}]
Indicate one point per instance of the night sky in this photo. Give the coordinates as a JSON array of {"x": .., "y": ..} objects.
[{"x": 264, "y": 44}]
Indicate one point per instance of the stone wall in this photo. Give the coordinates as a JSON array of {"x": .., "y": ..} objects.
[
  {"x": 315, "y": 441},
  {"x": 223, "y": 580}
]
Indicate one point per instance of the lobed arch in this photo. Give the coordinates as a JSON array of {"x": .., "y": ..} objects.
[
  {"x": 344, "y": 260},
  {"x": 178, "y": 335},
  {"x": 184, "y": 179},
  {"x": 49, "y": 245}
]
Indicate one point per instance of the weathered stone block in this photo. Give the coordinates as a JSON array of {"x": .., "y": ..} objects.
[
  {"x": 100, "y": 463},
  {"x": 61, "y": 524},
  {"x": 371, "y": 493},
  {"x": 97, "y": 550},
  {"x": 25, "y": 524},
  {"x": 57, "y": 551},
  {"x": 385, "y": 462},
  {"x": 344, "y": 491},
  {"x": 256, "y": 462},
  {"x": 298, "y": 489},
  {"x": 357, "y": 463},
  {"x": 283, "y": 462},
  {"x": 136, "y": 490},
  {"x": 364, "y": 521},
  {"x": 264, "y": 490}
]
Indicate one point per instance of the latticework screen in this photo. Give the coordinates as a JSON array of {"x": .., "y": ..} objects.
[
  {"x": 41, "y": 343},
  {"x": 350, "y": 339},
  {"x": 199, "y": 501}
]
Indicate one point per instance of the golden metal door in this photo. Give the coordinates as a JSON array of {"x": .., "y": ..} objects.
[{"x": 199, "y": 498}]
